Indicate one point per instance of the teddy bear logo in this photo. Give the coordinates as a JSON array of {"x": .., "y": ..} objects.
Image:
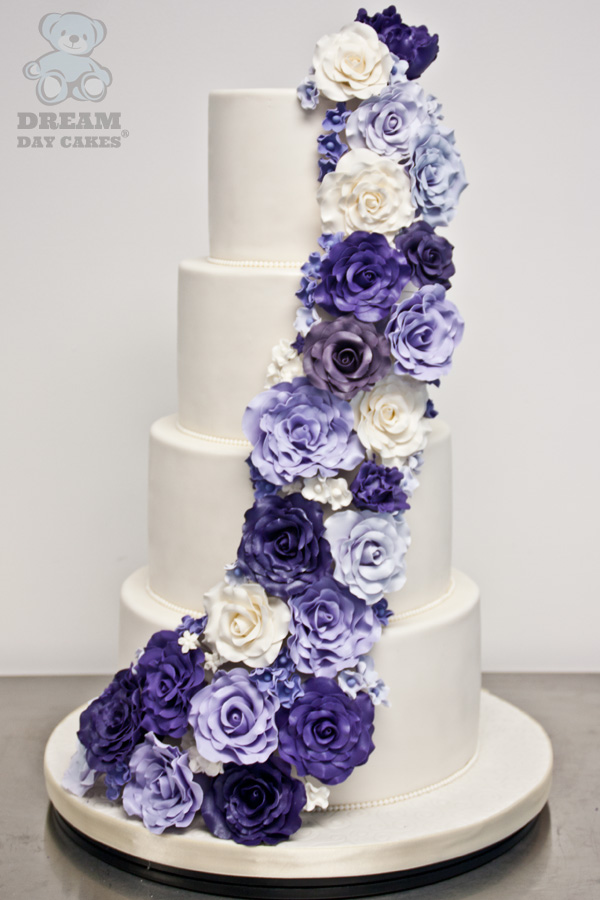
[{"x": 68, "y": 70}]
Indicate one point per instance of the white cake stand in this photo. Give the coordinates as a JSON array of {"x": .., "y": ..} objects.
[{"x": 417, "y": 841}]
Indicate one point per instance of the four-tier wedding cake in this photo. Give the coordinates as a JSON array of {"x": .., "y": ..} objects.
[{"x": 299, "y": 639}]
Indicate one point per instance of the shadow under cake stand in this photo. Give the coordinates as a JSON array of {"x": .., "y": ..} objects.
[{"x": 435, "y": 835}]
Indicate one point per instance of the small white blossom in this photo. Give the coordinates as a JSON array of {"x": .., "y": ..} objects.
[
  {"x": 196, "y": 761},
  {"x": 212, "y": 661},
  {"x": 305, "y": 319},
  {"x": 189, "y": 641},
  {"x": 294, "y": 488},
  {"x": 364, "y": 678},
  {"x": 285, "y": 365},
  {"x": 317, "y": 795},
  {"x": 333, "y": 491}
]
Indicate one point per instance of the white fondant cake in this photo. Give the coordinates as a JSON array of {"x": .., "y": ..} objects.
[{"x": 295, "y": 604}]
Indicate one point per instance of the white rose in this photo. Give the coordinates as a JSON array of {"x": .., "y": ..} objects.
[
  {"x": 351, "y": 63},
  {"x": 366, "y": 192},
  {"x": 390, "y": 418},
  {"x": 244, "y": 624},
  {"x": 285, "y": 364}
]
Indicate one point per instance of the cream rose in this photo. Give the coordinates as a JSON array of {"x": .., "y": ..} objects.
[
  {"x": 366, "y": 192},
  {"x": 351, "y": 63},
  {"x": 390, "y": 418},
  {"x": 244, "y": 624}
]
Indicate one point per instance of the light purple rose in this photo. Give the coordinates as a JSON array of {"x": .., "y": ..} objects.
[
  {"x": 390, "y": 123},
  {"x": 162, "y": 790},
  {"x": 437, "y": 176},
  {"x": 299, "y": 431},
  {"x": 423, "y": 331},
  {"x": 368, "y": 550},
  {"x": 233, "y": 721},
  {"x": 330, "y": 628}
]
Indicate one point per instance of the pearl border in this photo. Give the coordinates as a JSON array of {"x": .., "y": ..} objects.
[
  {"x": 398, "y": 617},
  {"x": 213, "y": 438},
  {"x": 255, "y": 263}
]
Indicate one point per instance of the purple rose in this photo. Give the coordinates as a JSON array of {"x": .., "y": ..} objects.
[
  {"x": 168, "y": 680},
  {"x": 299, "y": 431},
  {"x": 330, "y": 629},
  {"x": 110, "y": 728},
  {"x": 362, "y": 275},
  {"x": 428, "y": 254},
  {"x": 345, "y": 356},
  {"x": 259, "y": 804},
  {"x": 368, "y": 550},
  {"x": 326, "y": 734},
  {"x": 437, "y": 176},
  {"x": 412, "y": 43},
  {"x": 232, "y": 720},
  {"x": 283, "y": 546},
  {"x": 390, "y": 123},
  {"x": 379, "y": 488},
  {"x": 423, "y": 331},
  {"x": 162, "y": 791}
]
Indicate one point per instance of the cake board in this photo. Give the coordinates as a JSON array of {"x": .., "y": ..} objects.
[{"x": 442, "y": 832}]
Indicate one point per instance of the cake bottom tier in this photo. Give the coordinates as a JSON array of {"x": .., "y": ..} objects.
[{"x": 431, "y": 663}]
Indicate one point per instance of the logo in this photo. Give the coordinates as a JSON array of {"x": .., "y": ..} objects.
[{"x": 68, "y": 70}]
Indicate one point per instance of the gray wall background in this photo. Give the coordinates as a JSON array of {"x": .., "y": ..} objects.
[{"x": 91, "y": 239}]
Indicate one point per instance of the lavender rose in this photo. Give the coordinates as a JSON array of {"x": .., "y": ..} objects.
[
  {"x": 326, "y": 734},
  {"x": 162, "y": 791},
  {"x": 232, "y": 720},
  {"x": 412, "y": 43},
  {"x": 362, "y": 275},
  {"x": 437, "y": 176},
  {"x": 379, "y": 488},
  {"x": 423, "y": 332},
  {"x": 168, "y": 679},
  {"x": 283, "y": 546},
  {"x": 259, "y": 804},
  {"x": 299, "y": 431},
  {"x": 330, "y": 628},
  {"x": 428, "y": 254},
  {"x": 345, "y": 356},
  {"x": 391, "y": 123},
  {"x": 110, "y": 727},
  {"x": 368, "y": 551}
]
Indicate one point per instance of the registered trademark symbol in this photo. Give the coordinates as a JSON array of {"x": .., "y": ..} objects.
[{"x": 125, "y": 133}]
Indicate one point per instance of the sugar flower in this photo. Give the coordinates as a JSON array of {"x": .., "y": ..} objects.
[
  {"x": 331, "y": 491},
  {"x": 367, "y": 192},
  {"x": 244, "y": 624},
  {"x": 368, "y": 550},
  {"x": 285, "y": 364},
  {"x": 351, "y": 63},
  {"x": 390, "y": 418},
  {"x": 317, "y": 796},
  {"x": 390, "y": 123},
  {"x": 437, "y": 176}
]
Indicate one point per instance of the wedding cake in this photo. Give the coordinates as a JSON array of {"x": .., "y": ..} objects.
[{"x": 299, "y": 639}]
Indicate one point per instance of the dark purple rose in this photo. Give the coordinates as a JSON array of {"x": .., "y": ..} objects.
[
  {"x": 168, "y": 679},
  {"x": 162, "y": 790},
  {"x": 330, "y": 628},
  {"x": 379, "y": 488},
  {"x": 345, "y": 356},
  {"x": 428, "y": 254},
  {"x": 258, "y": 804},
  {"x": 110, "y": 728},
  {"x": 362, "y": 275},
  {"x": 283, "y": 544},
  {"x": 326, "y": 734},
  {"x": 423, "y": 331},
  {"x": 299, "y": 431},
  {"x": 412, "y": 43}
]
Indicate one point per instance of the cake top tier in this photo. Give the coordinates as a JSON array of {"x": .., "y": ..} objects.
[{"x": 262, "y": 176}]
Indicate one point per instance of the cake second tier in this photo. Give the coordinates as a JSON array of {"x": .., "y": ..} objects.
[{"x": 200, "y": 489}]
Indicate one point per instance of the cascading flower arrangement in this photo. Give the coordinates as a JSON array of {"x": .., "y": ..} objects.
[{"x": 243, "y": 717}]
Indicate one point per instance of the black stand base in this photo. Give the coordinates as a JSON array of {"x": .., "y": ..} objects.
[{"x": 291, "y": 888}]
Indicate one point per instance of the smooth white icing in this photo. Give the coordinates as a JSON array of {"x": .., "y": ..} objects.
[
  {"x": 199, "y": 491},
  {"x": 263, "y": 165},
  {"x": 229, "y": 320}
]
